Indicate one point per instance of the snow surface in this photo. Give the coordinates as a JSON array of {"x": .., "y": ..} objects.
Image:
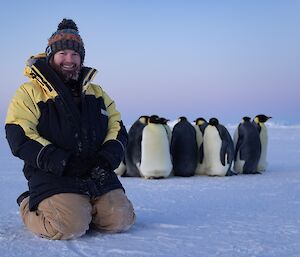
[{"x": 245, "y": 215}]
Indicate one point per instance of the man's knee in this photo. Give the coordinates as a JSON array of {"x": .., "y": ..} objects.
[
  {"x": 72, "y": 228},
  {"x": 73, "y": 219},
  {"x": 64, "y": 232},
  {"x": 121, "y": 219},
  {"x": 115, "y": 212},
  {"x": 62, "y": 216}
]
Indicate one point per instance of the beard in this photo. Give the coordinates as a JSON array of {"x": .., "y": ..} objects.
[{"x": 66, "y": 75}]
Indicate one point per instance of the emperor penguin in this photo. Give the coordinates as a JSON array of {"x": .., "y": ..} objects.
[
  {"x": 133, "y": 148},
  {"x": 155, "y": 151},
  {"x": 259, "y": 122},
  {"x": 184, "y": 148},
  {"x": 247, "y": 147},
  {"x": 218, "y": 149},
  {"x": 200, "y": 125}
]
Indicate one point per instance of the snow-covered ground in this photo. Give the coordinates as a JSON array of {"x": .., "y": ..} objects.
[{"x": 245, "y": 215}]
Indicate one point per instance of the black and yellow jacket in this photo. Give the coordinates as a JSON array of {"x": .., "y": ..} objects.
[{"x": 45, "y": 127}]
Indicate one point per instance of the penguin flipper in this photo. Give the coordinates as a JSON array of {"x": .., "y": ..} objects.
[
  {"x": 230, "y": 153},
  {"x": 227, "y": 148},
  {"x": 223, "y": 153}
]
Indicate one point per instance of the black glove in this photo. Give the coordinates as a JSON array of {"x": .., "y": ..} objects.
[
  {"x": 110, "y": 155},
  {"x": 52, "y": 159},
  {"x": 102, "y": 162},
  {"x": 78, "y": 166},
  {"x": 103, "y": 181}
]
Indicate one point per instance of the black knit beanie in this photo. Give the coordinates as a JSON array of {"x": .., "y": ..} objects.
[{"x": 66, "y": 37}]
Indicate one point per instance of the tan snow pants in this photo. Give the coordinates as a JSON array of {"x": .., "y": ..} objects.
[{"x": 66, "y": 216}]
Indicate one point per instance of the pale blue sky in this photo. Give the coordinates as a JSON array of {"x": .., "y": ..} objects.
[{"x": 225, "y": 59}]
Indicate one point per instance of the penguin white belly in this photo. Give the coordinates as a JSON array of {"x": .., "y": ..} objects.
[
  {"x": 238, "y": 164},
  {"x": 235, "y": 137},
  {"x": 200, "y": 169},
  {"x": 212, "y": 147},
  {"x": 155, "y": 158},
  {"x": 262, "y": 163}
]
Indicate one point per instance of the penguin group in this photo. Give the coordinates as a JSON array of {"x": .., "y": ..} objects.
[
  {"x": 250, "y": 141},
  {"x": 155, "y": 150}
]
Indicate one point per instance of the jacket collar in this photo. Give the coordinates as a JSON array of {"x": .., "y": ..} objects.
[{"x": 38, "y": 70}]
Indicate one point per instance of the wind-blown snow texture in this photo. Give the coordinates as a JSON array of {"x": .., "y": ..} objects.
[{"x": 245, "y": 215}]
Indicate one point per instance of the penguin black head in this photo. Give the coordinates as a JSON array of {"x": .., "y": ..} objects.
[
  {"x": 246, "y": 118},
  {"x": 213, "y": 122},
  {"x": 261, "y": 118},
  {"x": 182, "y": 118},
  {"x": 154, "y": 119},
  {"x": 200, "y": 121},
  {"x": 144, "y": 119},
  {"x": 163, "y": 120},
  {"x": 154, "y": 116}
]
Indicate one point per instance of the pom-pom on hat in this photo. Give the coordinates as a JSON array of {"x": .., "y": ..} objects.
[{"x": 66, "y": 37}]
